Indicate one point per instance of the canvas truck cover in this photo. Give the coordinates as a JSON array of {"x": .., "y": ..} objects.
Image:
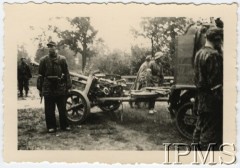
[
  {"x": 184, "y": 72},
  {"x": 186, "y": 47}
]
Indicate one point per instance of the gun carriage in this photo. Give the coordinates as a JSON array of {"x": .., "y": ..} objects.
[{"x": 107, "y": 94}]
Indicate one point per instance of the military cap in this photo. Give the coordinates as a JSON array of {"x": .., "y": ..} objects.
[
  {"x": 214, "y": 34},
  {"x": 51, "y": 43},
  {"x": 158, "y": 55},
  {"x": 148, "y": 58},
  {"x": 219, "y": 23}
]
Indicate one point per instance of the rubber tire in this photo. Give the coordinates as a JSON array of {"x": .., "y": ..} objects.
[
  {"x": 180, "y": 123},
  {"x": 86, "y": 103},
  {"x": 106, "y": 109}
]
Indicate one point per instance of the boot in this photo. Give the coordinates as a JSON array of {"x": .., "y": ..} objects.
[
  {"x": 26, "y": 93},
  {"x": 21, "y": 94}
]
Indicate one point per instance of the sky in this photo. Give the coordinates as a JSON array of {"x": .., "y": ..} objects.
[
  {"x": 116, "y": 33},
  {"x": 114, "y": 26}
]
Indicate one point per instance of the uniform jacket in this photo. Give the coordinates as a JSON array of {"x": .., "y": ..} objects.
[
  {"x": 141, "y": 80},
  {"x": 156, "y": 75},
  {"x": 55, "y": 74},
  {"x": 24, "y": 72},
  {"x": 208, "y": 68}
]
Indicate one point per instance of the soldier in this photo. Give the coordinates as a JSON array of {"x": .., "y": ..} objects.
[
  {"x": 54, "y": 86},
  {"x": 141, "y": 80},
  {"x": 24, "y": 74},
  {"x": 208, "y": 67},
  {"x": 155, "y": 77}
]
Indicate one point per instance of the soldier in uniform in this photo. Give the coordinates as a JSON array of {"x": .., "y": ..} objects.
[
  {"x": 141, "y": 80},
  {"x": 54, "y": 86},
  {"x": 155, "y": 77},
  {"x": 208, "y": 67},
  {"x": 24, "y": 74}
]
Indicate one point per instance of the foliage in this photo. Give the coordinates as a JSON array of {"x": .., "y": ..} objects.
[
  {"x": 78, "y": 43},
  {"x": 41, "y": 51},
  {"x": 22, "y": 53},
  {"x": 116, "y": 62},
  {"x": 63, "y": 50},
  {"x": 75, "y": 40},
  {"x": 162, "y": 32},
  {"x": 138, "y": 56},
  {"x": 80, "y": 38}
]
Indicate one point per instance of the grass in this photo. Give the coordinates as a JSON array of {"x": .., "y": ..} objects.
[{"x": 101, "y": 131}]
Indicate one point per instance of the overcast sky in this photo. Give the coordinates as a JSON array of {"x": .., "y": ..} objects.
[
  {"x": 114, "y": 31},
  {"x": 113, "y": 24}
]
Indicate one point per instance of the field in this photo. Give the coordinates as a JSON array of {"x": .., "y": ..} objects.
[{"x": 101, "y": 131}]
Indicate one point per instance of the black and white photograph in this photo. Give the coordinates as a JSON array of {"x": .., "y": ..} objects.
[{"x": 119, "y": 82}]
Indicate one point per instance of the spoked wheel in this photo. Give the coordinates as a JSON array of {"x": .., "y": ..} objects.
[
  {"x": 78, "y": 107},
  {"x": 109, "y": 106},
  {"x": 186, "y": 120}
]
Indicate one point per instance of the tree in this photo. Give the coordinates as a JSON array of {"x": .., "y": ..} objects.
[
  {"x": 80, "y": 38},
  {"x": 162, "y": 32},
  {"x": 22, "y": 53},
  {"x": 41, "y": 51},
  {"x": 138, "y": 56},
  {"x": 116, "y": 62}
]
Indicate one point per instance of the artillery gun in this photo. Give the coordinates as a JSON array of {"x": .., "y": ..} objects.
[{"x": 86, "y": 92}]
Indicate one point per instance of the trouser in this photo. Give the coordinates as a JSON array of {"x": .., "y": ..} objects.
[
  {"x": 151, "y": 103},
  {"x": 50, "y": 103},
  {"x": 209, "y": 129},
  {"x": 23, "y": 84}
]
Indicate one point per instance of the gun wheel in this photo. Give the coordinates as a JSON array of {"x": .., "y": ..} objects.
[{"x": 77, "y": 107}]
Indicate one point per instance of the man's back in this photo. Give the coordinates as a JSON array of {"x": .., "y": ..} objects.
[{"x": 208, "y": 67}]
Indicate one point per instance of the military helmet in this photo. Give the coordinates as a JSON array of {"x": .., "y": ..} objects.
[
  {"x": 158, "y": 55},
  {"x": 51, "y": 43},
  {"x": 148, "y": 57}
]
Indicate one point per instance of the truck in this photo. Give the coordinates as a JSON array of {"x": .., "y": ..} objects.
[{"x": 183, "y": 91}]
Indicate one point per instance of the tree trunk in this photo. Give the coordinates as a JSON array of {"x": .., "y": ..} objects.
[
  {"x": 152, "y": 47},
  {"x": 83, "y": 61},
  {"x": 84, "y": 54}
]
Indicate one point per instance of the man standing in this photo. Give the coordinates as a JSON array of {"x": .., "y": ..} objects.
[
  {"x": 155, "y": 77},
  {"x": 53, "y": 70},
  {"x": 24, "y": 74},
  {"x": 208, "y": 67}
]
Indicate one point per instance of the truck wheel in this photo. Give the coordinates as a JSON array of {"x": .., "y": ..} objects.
[
  {"x": 185, "y": 120},
  {"x": 77, "y": 107},
  {"x": 109, "y": 106}
]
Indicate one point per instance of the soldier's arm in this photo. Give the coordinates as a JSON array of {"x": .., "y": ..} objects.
[
  {"x": 150, "y": 75},
  {"x": 66, "y": 73},
  {"x": 212, "y": 69},
  {"x": 161, "y": 74},
  {"x": 41, "y": 72},
  {"x": 29, "y": 72},
  {"x": 41, "y": 69}
]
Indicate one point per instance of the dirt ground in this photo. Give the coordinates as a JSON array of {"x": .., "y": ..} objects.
[{"x": 101, "y": 131}]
